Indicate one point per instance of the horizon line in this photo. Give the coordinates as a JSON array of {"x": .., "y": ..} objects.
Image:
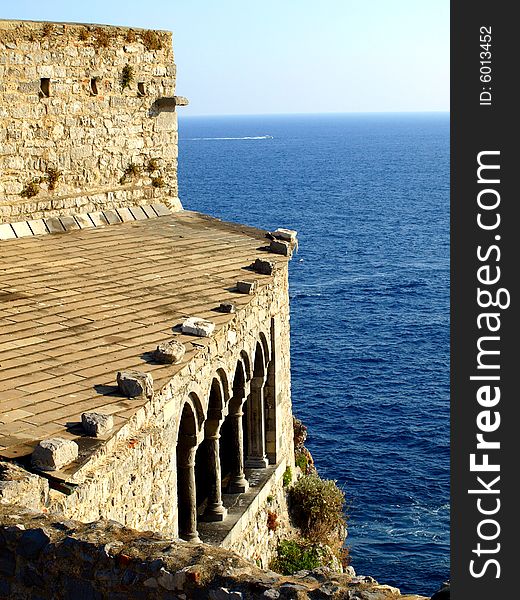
[{"x": 353, "y": 112}]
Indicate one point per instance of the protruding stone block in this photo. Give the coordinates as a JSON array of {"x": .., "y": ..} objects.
[
  {"x": 263, "y": 266},
  {"x": 96, "y": 424},
  {"x": 246, "y": 287},
  {"x": 281, "y": 247},
  {"x": 54, "y": 453},
  {"x": 133, "y": 384},
  {"x": 169, "y": 352},
  {"x": 197, "y": 326},
  {"x": 289, "y": 235},
  {"x": 227, "y": 307}
]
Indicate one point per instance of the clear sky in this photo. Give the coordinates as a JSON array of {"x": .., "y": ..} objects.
[{"x": 286, "y": 56}]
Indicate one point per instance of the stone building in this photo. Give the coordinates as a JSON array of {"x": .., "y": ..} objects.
[{"x": 144, "y": 348}]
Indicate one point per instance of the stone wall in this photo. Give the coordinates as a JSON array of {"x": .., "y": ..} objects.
[
  {"x": 45, "y": 556},
  {"x": 81, "y": 127},
  {"x": 264, "y": 524}
]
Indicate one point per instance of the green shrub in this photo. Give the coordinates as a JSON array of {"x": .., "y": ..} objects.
[
  {"x": 301, "y": 461},
  {"x": 293, "y": 556},
  {"x": 316, "y": 507},
  {"x": 287, "y": 477}
]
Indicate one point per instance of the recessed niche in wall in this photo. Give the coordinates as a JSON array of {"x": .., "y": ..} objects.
[
  {"x": 45, "y": 87},
  {"x": 140, "y": 89},
  {"x": 93, "y": 86}
]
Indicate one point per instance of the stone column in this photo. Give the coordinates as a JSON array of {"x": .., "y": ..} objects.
[
  {"x": 256, "y": 458},
  {"x": 215, "y": 510},
  {"x": 238, "y": 483},
  {"x": 187, "y": 495}
]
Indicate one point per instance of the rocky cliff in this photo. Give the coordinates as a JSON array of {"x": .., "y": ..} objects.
[{"x": 43, "y": 556}]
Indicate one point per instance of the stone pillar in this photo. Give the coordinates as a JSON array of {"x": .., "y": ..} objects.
[
  {"x": 256, "y": 458},
  {"x": 238, "y": 483},
  {"x": 215, "y": 510},
  {"x": 187, "y": 495}
]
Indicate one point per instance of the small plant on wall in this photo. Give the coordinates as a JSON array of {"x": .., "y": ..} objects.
[
  {"x": 127, "y": 76},
  {"x": 272, "y": 521},
  {"x": 30, "y": 190},
  {"x": 158, "y": 182},
  {"x": 83, "y": 34},
  {"x": 131, "y": 172},
  {"x": 101, "y": 38},
  {"x": 52, "y": 176},
  {"x": 151, "y": 40},
  {"x": 47, "y": 29},
  {"x": 153, "y": 165}
]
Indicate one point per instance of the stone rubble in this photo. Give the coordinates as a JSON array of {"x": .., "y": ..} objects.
[
  {"x": 53, "y": 454},
  {"x": 197, "y": 326},
  {"x": 133, "y": 383},
  {"x": 281, "y": 247},
  {"x": 289, "y": 235},
  {"x": 227, "y": 307},
  {"x": 246, "y": 287},
  {"x": 170, "y": 352},
  {"x": 263, "y": 266},
  {"x": 96, "y": 424}
]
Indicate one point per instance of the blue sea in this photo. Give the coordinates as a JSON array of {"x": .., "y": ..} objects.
[{"x": 369, "y": 289}]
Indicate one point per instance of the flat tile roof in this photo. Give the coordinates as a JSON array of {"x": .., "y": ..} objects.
[{"x": 77, "y": 307}]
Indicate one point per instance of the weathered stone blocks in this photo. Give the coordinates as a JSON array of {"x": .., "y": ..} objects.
[
  {"x": 133, "y": 383},
  {"x": 96, "y": 424},
  {"x": 54, "y": 453},
  {"x": 169, "y": 352},
  {"x": 246, "y": 287},
  {"x": 263, "y": 266},
  {"x": 289, "y": 235},
  {"x": 198, "y": 326},
  {"x": 101, "y": 134},
  {"x": 281, "y": 247},
  {"x": 227, "y": 307}
]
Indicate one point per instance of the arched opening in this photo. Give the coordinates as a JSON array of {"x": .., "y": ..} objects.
[
  {"x": 271, "y": 428},
  {"x": 208, "y": 462},
  {"x": 186, "y": 487},
  {"x": 226, "y": 451},
  {"x": 255, "y": 414}
]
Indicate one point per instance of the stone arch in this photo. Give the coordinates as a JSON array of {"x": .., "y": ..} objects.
[
  {"x": 186, "y": 488},
  {"x": 259, "y": 361},
  {"x": 224, "y": 381},
  {"x": 266, "y": 347},
  {"x": 194, "y": 397},
  {"x": 255, "y": 413},
  {"x": 237, "y": 480},
  {"x": 208, "y": 472},
  {"x": 246, "y": 361},
  {"x": 270, "y": 402}
]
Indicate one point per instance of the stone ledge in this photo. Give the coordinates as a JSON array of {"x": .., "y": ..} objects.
[{"x": 32, "y": 227}]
